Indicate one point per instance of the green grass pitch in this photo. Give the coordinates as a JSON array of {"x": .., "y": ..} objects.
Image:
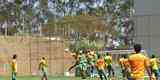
[
  {"x": 51, "y": 78},
  {"x": 118, "y": 76},
  {"x": 39, "y": 78}
]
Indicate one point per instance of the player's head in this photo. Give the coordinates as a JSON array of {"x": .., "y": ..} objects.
[
  {"x": 99, "y": 56},
  {"x": 137, "y": 48},
  {"x": 107, "y": 54},
  {"x": 14, "y": 56},
  {"x": 88, "y": 50},
  {"x": 153, "y": 56},
  {"x": 124, "y": 56},
  {"x": 43, "y": 58}
]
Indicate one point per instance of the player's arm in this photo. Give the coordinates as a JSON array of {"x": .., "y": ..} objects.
[
  {"x": 110, "y": 59},
  {"x": 147, "y": 66},
  {"x": 128, "y": 67},
  {"x": 105, "y": 62},
  {"x": 40, "y": 65},
  {"x": 120, "y": 62},
  {"x": 46, "y": 64},
  {"x": 158, "y": 61},
  {"x": 96, "y": 65},
  {"x": 73, "y": 66}
]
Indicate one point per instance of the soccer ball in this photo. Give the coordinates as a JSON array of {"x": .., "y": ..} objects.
[{"x": 67, "y": 74}]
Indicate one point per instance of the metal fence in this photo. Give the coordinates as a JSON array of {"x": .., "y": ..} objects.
[{"x": 30, "y": 50}]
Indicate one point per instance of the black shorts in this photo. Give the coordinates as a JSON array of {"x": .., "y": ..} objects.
[{"x": 155, "y": 72}]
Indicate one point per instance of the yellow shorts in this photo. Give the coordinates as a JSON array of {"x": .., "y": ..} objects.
[{"x": 137, "y": 76}]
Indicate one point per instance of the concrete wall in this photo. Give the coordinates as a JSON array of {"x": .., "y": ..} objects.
[
  {"x": 29, "y": 51},
  {"x": 147, "y": 7},
  {"x": 147, "y": 23},
  {"x": 147, "y": 31}
]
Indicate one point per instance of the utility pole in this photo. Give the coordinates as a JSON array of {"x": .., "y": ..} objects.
[
  {"x": 4, "y": 26},
  {"x": 40, "y": 29}
]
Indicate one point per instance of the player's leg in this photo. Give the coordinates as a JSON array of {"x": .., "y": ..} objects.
[
  {"x": 83, "y": 72},
  {"x": 123, "y": 73},
  {"x": 72, "y": 67},
  {"x": 153, "y": 74},
  {"x": 45, "y": 76},
  {"x": 42, "y": 78},
  {"x": 103, "y": 73},
  {"x": 156, "y": 74},
  {"x": 43, "y": 73},
  {"x": 112, "y": 70},
  {"x": 88, "y": 71},
  {"x": 13, "y": 75},
  {"x": 92, "y": 71},
  {"x": 109, "y": 70},
  {"x": 128, "y": 75},
  {"x": 100, "y": 74}
]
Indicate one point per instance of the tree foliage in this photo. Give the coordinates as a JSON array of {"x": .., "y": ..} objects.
[
  {"x": 85, "y": 44},
  {"x": 88, "y": 24},
  {"x": 85, "y": 17}
]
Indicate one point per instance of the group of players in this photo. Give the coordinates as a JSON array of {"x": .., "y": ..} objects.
[
  {"x": 87, "y": 61},
  {"x": 133, "y": 66}
]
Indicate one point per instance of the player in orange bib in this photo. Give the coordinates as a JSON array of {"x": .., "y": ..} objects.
[
  {"x": 123, "y": 62},
  {"x": 100, "y": 65},
  {"x": 138, "y": 63}
]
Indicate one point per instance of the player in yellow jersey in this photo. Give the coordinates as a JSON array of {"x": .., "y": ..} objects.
[
  {"x": 123, "y": 62},
  {"x": 154, "y": 66},
  {"x": 138, "y": 63},
  {"x": 100, "y": 65},
  {"x": 43, "y": 67},
  {"x": 108, "y": 62},
  {"x": 14, "y": 67}
]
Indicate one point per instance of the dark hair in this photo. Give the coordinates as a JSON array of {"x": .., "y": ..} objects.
[
  {"x": 124, "y": 56},
  {"x": 153, "y": 56},
  {"x": 43, "y": 58},
  {"x": 14, "y": 56},
  {"x": 99, "y": 56},
  {"x": 137, "y": 48},
  {"x": 107, "y": 53}
]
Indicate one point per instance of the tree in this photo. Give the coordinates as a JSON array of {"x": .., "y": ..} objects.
[{"x": 82, "y": 24}]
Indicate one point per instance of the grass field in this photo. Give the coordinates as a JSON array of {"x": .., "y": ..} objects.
[
  {"x": 118, "y": 76},
  {"x": 50, "y": 78}
]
